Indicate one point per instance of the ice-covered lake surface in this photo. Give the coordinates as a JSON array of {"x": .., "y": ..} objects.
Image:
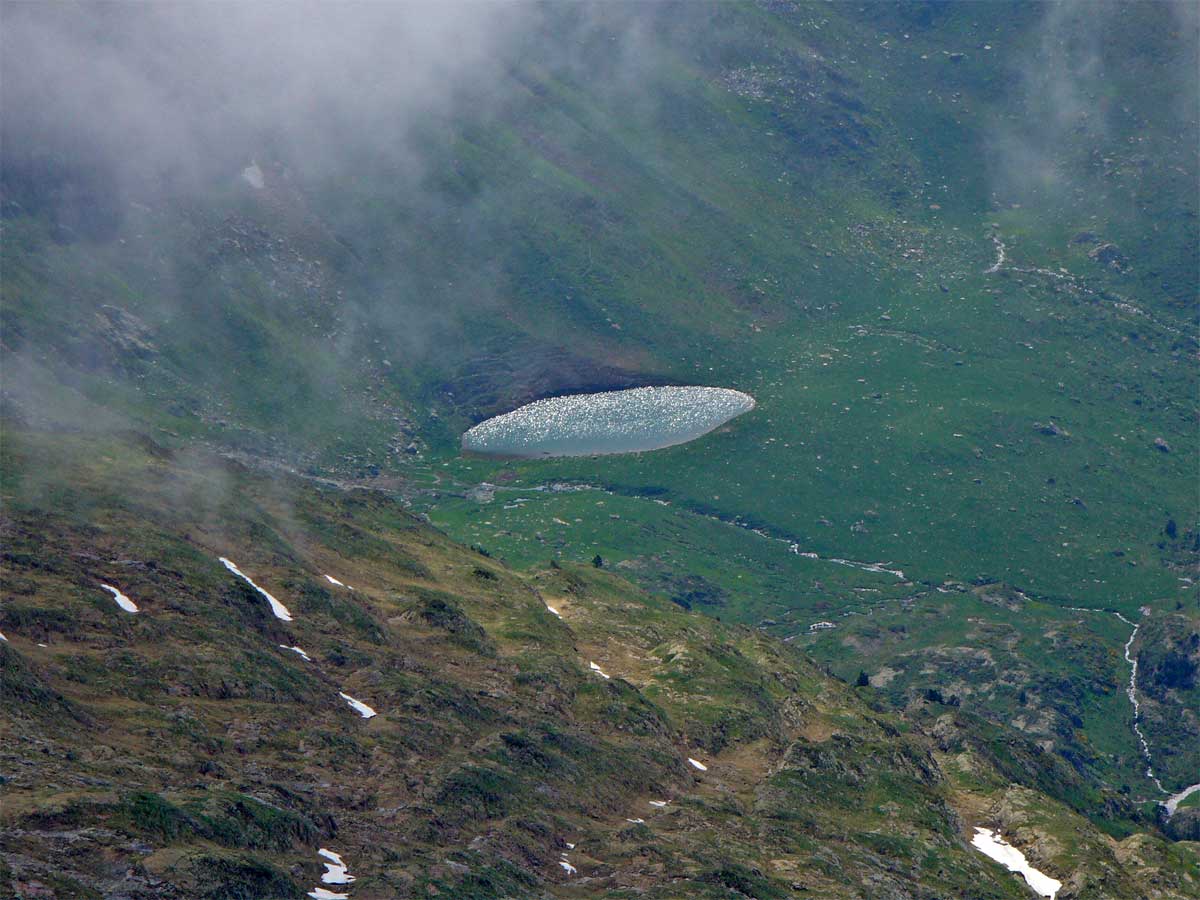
[
  {"x": 628, "y": 421},
  {"x": 991, "y": 844}
]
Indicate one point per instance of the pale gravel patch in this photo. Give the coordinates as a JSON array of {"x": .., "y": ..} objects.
[{"x": 1172, "y": 802}]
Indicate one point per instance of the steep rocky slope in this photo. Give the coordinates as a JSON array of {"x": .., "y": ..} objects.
[{"x": 533, "y": 734}]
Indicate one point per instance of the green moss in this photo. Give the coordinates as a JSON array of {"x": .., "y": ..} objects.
[
  {"x": 743, "y": 881},
  {"x": 493, "y": 881},
  {"x": 441, "y": 610},
  {"x": 476, "y": 794},
  {"x": 314, "y": 599},
  {"x": 240, "y": 878}
]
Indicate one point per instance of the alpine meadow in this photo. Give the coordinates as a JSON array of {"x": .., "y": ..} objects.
[{"x": 633, "y": 449}]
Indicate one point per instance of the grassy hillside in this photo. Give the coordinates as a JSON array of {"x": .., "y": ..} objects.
[
  {"x": 185, "y": 750},
  {"x": 949, "y": 248}
]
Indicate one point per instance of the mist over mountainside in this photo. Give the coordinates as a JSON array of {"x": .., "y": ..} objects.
[{"x": 264, "y": 264}]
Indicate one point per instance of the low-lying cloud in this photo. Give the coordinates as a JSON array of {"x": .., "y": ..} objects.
[{"x": 182, "y": 89}]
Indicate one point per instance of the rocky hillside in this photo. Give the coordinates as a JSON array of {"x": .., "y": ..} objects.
[
  {"x": 553, "y": 734},
  {"x": 259, "y": 271}
]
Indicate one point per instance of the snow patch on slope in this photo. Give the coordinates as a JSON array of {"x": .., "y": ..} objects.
[
  {"x": 992, "y": 845},
  {"x": 281, "y": 611},
  {"x": 122, "y": 601},
  {"x": 358, "y": 706}
]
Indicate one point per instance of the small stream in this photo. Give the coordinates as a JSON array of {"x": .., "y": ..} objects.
[
  {"x": 1137, "y": 709},
  {"x": 879, "y": 568},
  {"x": 999, "y": 257},
  {"x": 1173, "y": 800},
  {"x": 1066, "y": 277}
]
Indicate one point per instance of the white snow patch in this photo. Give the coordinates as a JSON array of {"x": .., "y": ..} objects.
[
  {"x": 595, "y": 668},
  {"x": 570, "y": 845},
  {"x": 637, "y": 821},
  {"x": 281, "y": 611},
  {"x": 322, "y": 894},
  {"x": 555, "y": 611},
  {"x": 253, "y": 176},
  {"x": 3, "y": 638},
  {"x": 358, "y": 706},
  {"x": 696, "y": 764},
  {"x": 659, "y": 803},
  {"x": 296, "y": 650},
  {"x": 122, "y": 601},
  {"x": 567, "y": 867},
  {"x": 992, "y": 845},
  {"x": 333, "y": 580},
  {"x": 335, "y": 870}
]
